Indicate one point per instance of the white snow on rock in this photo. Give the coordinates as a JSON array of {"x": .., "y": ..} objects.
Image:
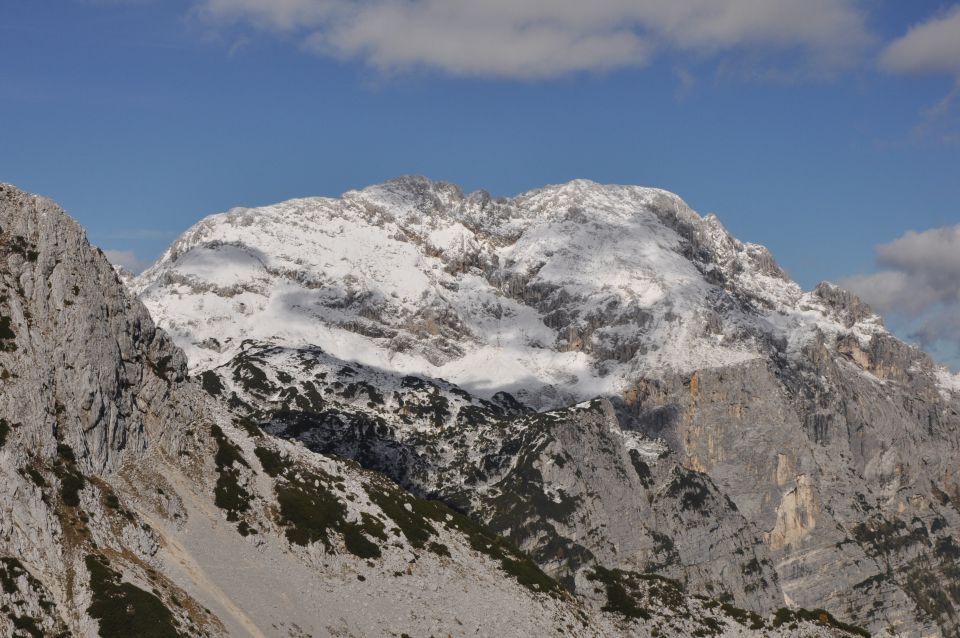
[
  {"x": 559, "y": 294},
  {"x": 949, "y": 381}
]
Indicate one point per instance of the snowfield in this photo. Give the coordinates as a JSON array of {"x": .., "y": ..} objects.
[{"x": 416, "y": 277}]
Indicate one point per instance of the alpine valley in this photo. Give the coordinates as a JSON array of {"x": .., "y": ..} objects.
[{"x": 410, "y": 411}]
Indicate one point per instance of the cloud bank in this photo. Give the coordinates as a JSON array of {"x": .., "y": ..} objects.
[
  {"x": 932, "y": 46},
  {"x": 919, "y": 284},
  {"x": 523, "y": 39},
  {"x": 127, "y": 259}
]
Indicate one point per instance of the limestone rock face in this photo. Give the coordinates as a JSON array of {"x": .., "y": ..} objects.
[
  {"x": 569, "y": 486},
  {"x": 847, "y": 474},
  {"x": 82, "y": 362},
  {"x": 133, "y": 503}
]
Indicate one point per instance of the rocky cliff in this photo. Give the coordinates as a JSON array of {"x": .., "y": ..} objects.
[{"x": 135, "y": 504}]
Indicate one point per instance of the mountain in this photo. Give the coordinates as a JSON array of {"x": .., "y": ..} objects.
[
  {"x": 136, "y": 504},
  {"x": 600, "y": 375}
]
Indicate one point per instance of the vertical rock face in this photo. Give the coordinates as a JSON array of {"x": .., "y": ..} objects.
[
  {"x": 624, "y": 502},
  {"x": 87, "y": 384},
  {"x": 80, "y": 359},
  {"x": 846, "y": 458}
]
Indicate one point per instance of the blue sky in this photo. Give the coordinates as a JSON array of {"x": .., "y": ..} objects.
[{"x": 822, "y": 133}]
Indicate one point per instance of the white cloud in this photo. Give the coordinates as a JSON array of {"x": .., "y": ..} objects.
[
  {"x": 921, "y": 270},
  {"x": 919, "y": 287},
  {"x": 126, "y": 258},
  {"x": 540, "y": 38},
  {"x": 891, "y": 291},
  {"x": 931, "y": 46}
]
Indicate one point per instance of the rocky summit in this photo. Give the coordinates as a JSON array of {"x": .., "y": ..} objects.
[{"x": 584, "y": 411}]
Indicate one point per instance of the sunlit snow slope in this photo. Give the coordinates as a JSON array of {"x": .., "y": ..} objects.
[{"x": 559, "y": 294}]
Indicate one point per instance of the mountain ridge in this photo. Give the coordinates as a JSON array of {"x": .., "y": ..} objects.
[
  {"x": 371, "y": 278},
  {"x": 134, "y": 503},
  {"x": 828, "y": 436}
]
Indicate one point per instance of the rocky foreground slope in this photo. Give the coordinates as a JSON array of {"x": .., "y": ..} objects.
[
  {"x": 134, "y": 504},
  {"x": 599, "y": 374}
]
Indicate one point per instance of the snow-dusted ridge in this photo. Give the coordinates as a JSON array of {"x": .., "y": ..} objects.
[
  {"x": 750, "y": 437},
  {"x": 134, "y": 504},
  {"x": 559, "y": 294}
]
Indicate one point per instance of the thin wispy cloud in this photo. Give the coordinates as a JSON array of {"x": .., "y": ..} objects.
[
  {"x": 933, "y": 46},
  {"x": 524, "y": 39},
  {"x": 127, "y": 259}
]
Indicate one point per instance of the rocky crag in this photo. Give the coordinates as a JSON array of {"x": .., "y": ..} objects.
[
  {"x": 135, "y": 504},
  {"x": 597, "y": 373}
]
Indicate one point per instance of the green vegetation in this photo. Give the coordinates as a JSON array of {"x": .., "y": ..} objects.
[
  {"x": 744, "y": 617},
  {"x": 6, "y": 335},
  {"x": 22, "y": 246},
  {"x": 6, "y": 332},
  {"x": 252, "y": 377},
  {"x": 881, "y": 536},
  {"x": 161, "y": 367},
  {"x": 633, "y": 595},
  {"x": 692, "y": 489},
  {"x": 211, "y": 383},
  {"x": 124, "y": 609},
  {"x": 308, "y": 508},
  {"x": 522, "y": 508},
  {"x": 434, "y": 407},
  {"x": 249, "y": 426},
  {"x": 642, "y": 469},
  {"x": 751, "y": 567},
  {"x": 663, "y": 544},
  {"x": 65, "y": 452},
  {"x": 440, "y": 549},
  {"x": 310, "y": 401},
  {"x": 311, "y": 511},
  {"x": 928, "y": 588},
  {"x": 818, "y": 616},
  {"x": 312, "y": 508},
  {"x": 35, "y": 476},
  {"x": 619, "y": 599},
  {"x": 26, "y": 624},
  {"x": 418, "y": 519},
  {"x": 272, "y": 461},
  {"x": 229, "y": 494},
  {"x": 110, "y": 500},
  {"x": 71, "y": 480},
  {"x": 412, "y": 516},
  {"x": 375, "y": 398},
  {"x": 947, "y": 548},
  {"x": 70, "y": 485},
  {"x": 11, "y": 571},
  {"x": 357, "y": 542}
]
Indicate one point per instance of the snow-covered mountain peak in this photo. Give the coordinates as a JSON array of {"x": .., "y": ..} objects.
[
  {"x": 410, "y": 327},
  {"x": 561, "y": 293}
]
